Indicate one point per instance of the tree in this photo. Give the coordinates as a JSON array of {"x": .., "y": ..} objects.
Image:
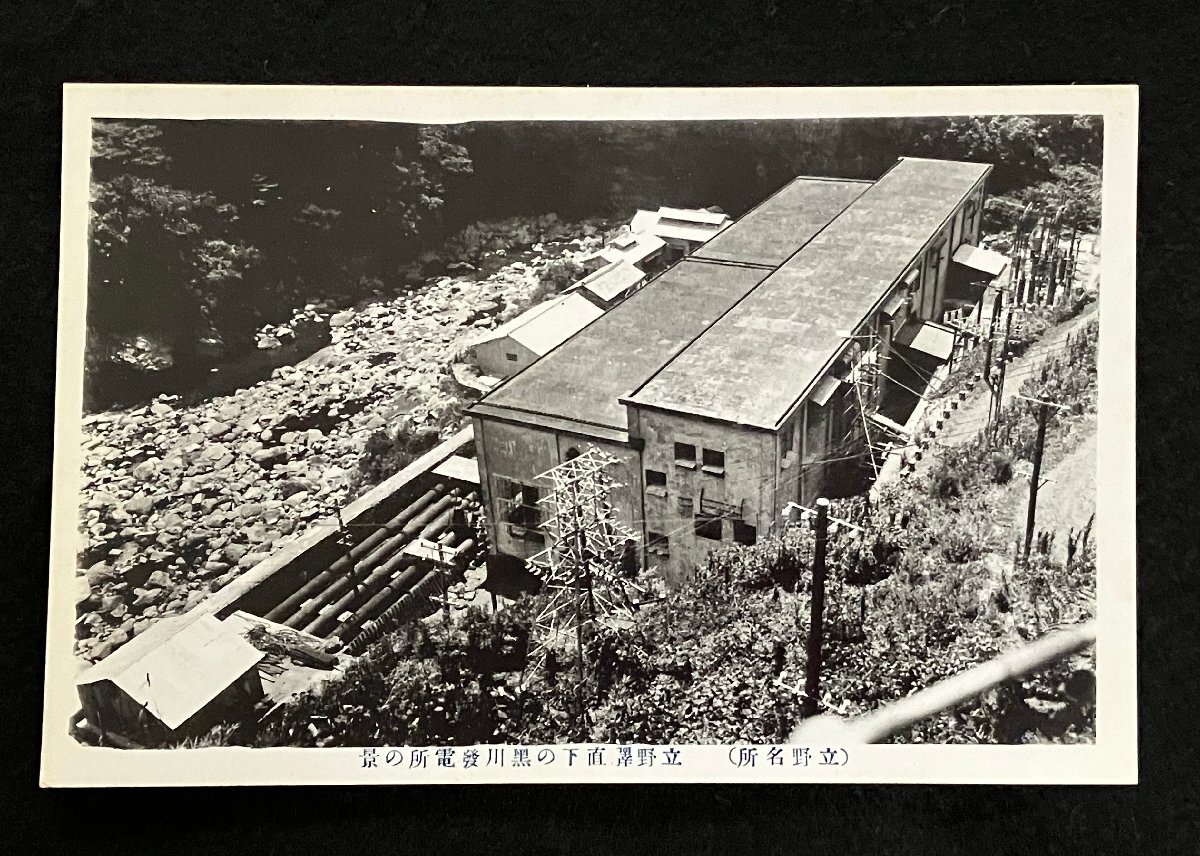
[{"x": 164, "y": 260}]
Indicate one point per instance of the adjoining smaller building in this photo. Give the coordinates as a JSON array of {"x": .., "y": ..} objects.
[
  {"x": 684, "y": 230},
  {"x": 506, "y": 350},
  {"x": 178, "y": 679},
  {"x": 611, "y": 284},
  {"x": 641, "y": 249}
]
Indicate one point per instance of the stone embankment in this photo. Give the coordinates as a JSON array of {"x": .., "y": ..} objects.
[{"x": 178, "y": 501}]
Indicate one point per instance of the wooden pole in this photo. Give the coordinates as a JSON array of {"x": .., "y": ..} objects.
[
  {"x": 812, "y": 665},
  {"x": 1035, "y": 477}
]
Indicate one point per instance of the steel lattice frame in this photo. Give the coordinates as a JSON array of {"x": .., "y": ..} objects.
[{"x": 580, "y": 567}]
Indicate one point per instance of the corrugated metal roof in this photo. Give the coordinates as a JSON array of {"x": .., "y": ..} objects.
[
  {"x": 547, "y": 330},
  {"x": 684, "y": 224},
  {"x": 175, "y": 672},
  {"x": 611, "y": 280},
  {"x": 977, "y": 258},
  {"x": 583, "y": 379},
  {"x": 517, "y": 322},
  {"x": 545, "y": 326},
  {"x": 459, "y": 468},
  {"x": 693, "y": 215},
  {"x": 753, "y": 364},
  {"x": 783, "y": 223},
  {"x": 935, "y": 340},
  {"x": 635, "y": 251}
]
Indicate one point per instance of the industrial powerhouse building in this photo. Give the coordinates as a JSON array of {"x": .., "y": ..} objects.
[{"x": 741, "y": 378}]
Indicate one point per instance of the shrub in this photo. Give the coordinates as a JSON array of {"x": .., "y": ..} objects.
[
  {"x": 558, "y": 274},
  {"x": 1002, "y": 467},
  {"x": 946, "y": 482}
]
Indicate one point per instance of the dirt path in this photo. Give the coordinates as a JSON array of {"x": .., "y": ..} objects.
[
  {"x": 1068, "y": 497},
  {"x": 971, "y": 417}
]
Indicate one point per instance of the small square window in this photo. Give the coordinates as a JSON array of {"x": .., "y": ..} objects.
[
  {"x": 685, "y": 455},
  {"x": 709, "y": 527},
  {"x": 714, "y": 462},
  {"x": 656, "y": 478},
  {"x": 512, "y": 358},
  {"x": 744, "y": 533},
  {"x": 658, "y": 544},
  {"x": 685, "y": 506}
]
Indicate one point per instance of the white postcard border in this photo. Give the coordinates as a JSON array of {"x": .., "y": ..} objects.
[{"x": 1113, "y": 758}]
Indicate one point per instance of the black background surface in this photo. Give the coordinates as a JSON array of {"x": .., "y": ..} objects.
[{"x": 759, "y": 42}]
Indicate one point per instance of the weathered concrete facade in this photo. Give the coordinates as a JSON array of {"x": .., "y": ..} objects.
[
  {"x": 706, "y": 484},
  {"x": 512, "y": 455}
]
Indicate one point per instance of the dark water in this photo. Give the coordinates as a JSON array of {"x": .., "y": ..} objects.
[{"x": 196, "y": 379}]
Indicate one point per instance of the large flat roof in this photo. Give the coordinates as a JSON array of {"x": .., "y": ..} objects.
[
  {"x": 752, "y": 365},
  {"x": 772, "y": 231},
  {"x": 582, "y": 380}
]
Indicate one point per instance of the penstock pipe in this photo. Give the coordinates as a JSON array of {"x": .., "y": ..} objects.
[
  {"x": 289, "y": 605},
  {"x": 328, "y": 586}
]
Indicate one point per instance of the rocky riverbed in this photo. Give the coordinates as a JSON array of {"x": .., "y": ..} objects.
[{"x": 177, "y": 500}]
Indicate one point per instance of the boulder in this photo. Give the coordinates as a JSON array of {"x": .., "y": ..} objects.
[
  {"x": 267, "y": 458},
  {"x": 215, "y": 452},
  {"x": 341, "y": 319},
  {"x": 147, "y": 469},
  {"x": 139, "y": 505},
  {"x": 100, "y": 574},
  {"x": 146, "y": 597},
  {"x": 158, "y": 579}
]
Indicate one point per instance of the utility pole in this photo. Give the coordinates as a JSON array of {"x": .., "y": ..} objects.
[
  {"x": 1035, "y": 477},
  {"x": 812, "y": 666},
  {"x": 987, "y": 357}
]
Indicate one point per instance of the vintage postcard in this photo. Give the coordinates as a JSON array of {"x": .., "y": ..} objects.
[{"x": 453, "y": 435}]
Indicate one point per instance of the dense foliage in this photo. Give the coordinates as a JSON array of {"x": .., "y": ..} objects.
[{"x": 196, "y": 241}]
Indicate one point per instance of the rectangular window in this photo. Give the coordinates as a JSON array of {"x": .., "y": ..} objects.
[
  {"x": 685, "y": 455},
  {"x": 658, "y": 544},
  {"x": 507, "y": 488},
  {"x": 512, "y": 358},
  {"x": 714, "y": 462},
  {"x": 744, "y": 533},
  {"x": 685, "y": 506},
  {"x": 656, "y": 482},
  {"x": 519, "y": 506},
  {"x": 709, "y": 527}
]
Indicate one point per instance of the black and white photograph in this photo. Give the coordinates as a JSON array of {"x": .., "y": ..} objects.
[{"x": 470, "y": 438}]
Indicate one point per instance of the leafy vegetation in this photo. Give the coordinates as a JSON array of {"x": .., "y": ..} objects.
[{"x": 192, "y": 250}]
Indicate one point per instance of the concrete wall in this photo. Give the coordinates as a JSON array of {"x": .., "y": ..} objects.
[
  {"x": 521, "y": 452},
  {"x": 492, "y": 357},
  {"x": 749, "y": 481},
  {"x": 957, "y": 231}
]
